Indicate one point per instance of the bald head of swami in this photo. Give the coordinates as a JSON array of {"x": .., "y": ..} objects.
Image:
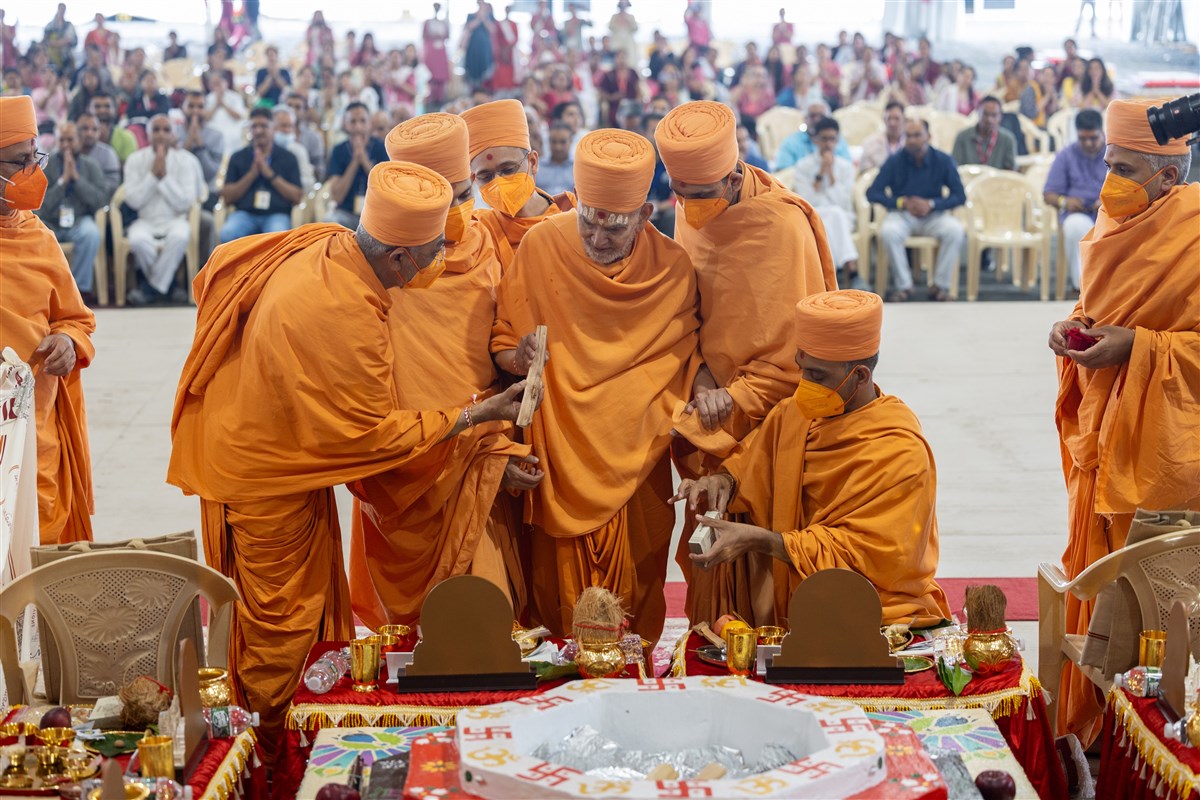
[
  {"x": 440, "y": 142},
  {"x": 503, "y": 164},
  {"x": 837, "y": 338},
  {"x": 1136, "y": 162},
  {"x": 18, "y": 132},
  {"x": 613, "y": 173},
  {"x": 698, "y": 145},
  {"x": 401, "y": 232}
]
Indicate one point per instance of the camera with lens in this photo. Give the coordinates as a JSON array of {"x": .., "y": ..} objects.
[{"x": 1175, "y": 119}]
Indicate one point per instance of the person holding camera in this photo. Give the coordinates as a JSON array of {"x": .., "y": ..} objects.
[{"x": 1129, "y": 365}]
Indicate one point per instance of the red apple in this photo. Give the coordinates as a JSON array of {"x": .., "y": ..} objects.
[
  {"x": 996, "y": 784},
  {"x": 57, "y": 717}
]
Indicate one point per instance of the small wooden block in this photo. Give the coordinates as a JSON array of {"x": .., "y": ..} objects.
[
  {"x": 704, "y": 537},
  {"x": 533, "y": 380}
]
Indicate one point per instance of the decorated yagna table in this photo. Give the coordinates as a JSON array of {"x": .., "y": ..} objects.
[
  {"x": 1012, "y": 696},
  {"x": 969, "y": 732},
  {"x": 1136, "y": 762}
]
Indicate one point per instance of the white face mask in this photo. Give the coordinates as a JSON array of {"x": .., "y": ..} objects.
[{"x": 285, "y": 139}]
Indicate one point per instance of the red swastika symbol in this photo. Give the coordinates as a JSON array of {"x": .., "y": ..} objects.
[
  {"x": 806, "y": 766},
  {"x": 785, "y": 696},
  {"x": 683, "y": 789},
  {"x": 542, "y": 702},
  {"x": 660, "y": 684},
  {"x": 486, "y": 734},
  {"x": 548, "y": 773},
  {"x": 848, "y": 725}
]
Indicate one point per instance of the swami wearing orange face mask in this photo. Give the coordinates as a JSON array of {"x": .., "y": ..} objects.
[
  {"x": 619, "y": 301},
  {"x": 503, "y": 166},
  {"x": 838, "y": 476},
  {"x": 410, "y": 534},
  {"x": 1129, "y": 405},
  {"x": 289, "y": 390},
  {"x": 43, "y": 319},
  {"x": 758, "y": 249}
]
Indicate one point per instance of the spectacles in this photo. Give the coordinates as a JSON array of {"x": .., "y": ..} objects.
[
  {"x": 504, "y": 172},
  {"x": 30, "y": 162}
]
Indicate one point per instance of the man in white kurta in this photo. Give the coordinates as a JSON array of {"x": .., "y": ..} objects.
[
  {"x": 826, "y": 181},
  {"x": 162, "y": 183}
]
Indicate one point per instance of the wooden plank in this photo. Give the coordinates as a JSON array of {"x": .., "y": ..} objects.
[{"x": 533, "y": 380}]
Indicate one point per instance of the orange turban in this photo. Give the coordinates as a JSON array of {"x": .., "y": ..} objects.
[
  {"x": 698, "y": 142},
  {"x": 18, "y": 123},
  {"x": 839, "y": 326},
  {"x": 613, "y": 170},
  {"x": 438, "y": 141},
  {"x": 406, "y": 204},
  {"x": 501, "y": 123},
  {"x": 1126, "y": 125}
]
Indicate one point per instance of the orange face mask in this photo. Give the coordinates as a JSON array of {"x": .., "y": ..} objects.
[
  {"x": 508, "y": 194},
  {"x": 26, "y": 190},
  {"x": 816, "y": 401},
  {"x": 1122, "y": 197},
  {"x": 699, "y": 211},
  {"x": 424, "y": 278},
  {"x": 457, "y": 220}
]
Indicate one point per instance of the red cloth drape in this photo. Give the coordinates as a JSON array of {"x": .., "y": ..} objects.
[{"x": 1123, "y": 774}]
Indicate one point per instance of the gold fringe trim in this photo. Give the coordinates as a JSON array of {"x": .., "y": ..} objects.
[
  {"x": 315, "y": 716},
  {"x": 1003, "y": 703},
  {"x": 229, "y": 774},
  {"x": 1150, "y": 749}
]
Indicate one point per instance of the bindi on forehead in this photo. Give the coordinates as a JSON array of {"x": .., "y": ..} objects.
[{"x": 490, "y": 156}]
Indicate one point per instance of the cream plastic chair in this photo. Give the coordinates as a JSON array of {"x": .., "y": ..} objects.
[
  {"x": 866, "y": 226},
  {"x": 100, "y": 265},
  {"x": 1046, "y": 217},
  {"x": 1037, "y": 142},
  {"x": 121, "y": 251},
  {"x": 858, "y": 122},
  {"x": 1061, "y": 128},
  {"x": 1000, "y": 213},
  {"x": 775, "y": 125},
  {"x": 114, "y": 615},
  {"x": 944, "y": 128},
  {"x": 178, "y": 73},
  {"x": 1159, "y": 570}
]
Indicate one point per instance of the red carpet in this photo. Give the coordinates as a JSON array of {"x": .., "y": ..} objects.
[{"x": 1021, "y": 593}]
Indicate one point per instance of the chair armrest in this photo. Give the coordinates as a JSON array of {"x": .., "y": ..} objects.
[{"x": 1053, "y": 576}]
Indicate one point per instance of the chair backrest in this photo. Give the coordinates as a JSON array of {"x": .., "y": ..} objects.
[
  {"x": 858, "y": 122},
  {"x": 118, "y": 220},
  {"x": 1036, "y": 139},
  {"x": 1161, "y": 571},
  {"x": 177, "y": 73},
  {"x": 114, "y": 615},
  {"x": 969, "y": 173},
  {"x": 775, "y": 125},
  {"x": 862, "y": 206},
  {"x": 1000, "y": 203},
  {"x": 1061, "y": 127},
  {"x": 925, "y": 112},
  {"x": 944, "y": 128}
]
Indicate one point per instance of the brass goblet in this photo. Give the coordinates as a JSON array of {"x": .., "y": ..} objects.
[{"x": 771, "y": 634}]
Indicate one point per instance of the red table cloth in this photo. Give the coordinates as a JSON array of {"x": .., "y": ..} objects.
[{"x": 1136, "y": 762}]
